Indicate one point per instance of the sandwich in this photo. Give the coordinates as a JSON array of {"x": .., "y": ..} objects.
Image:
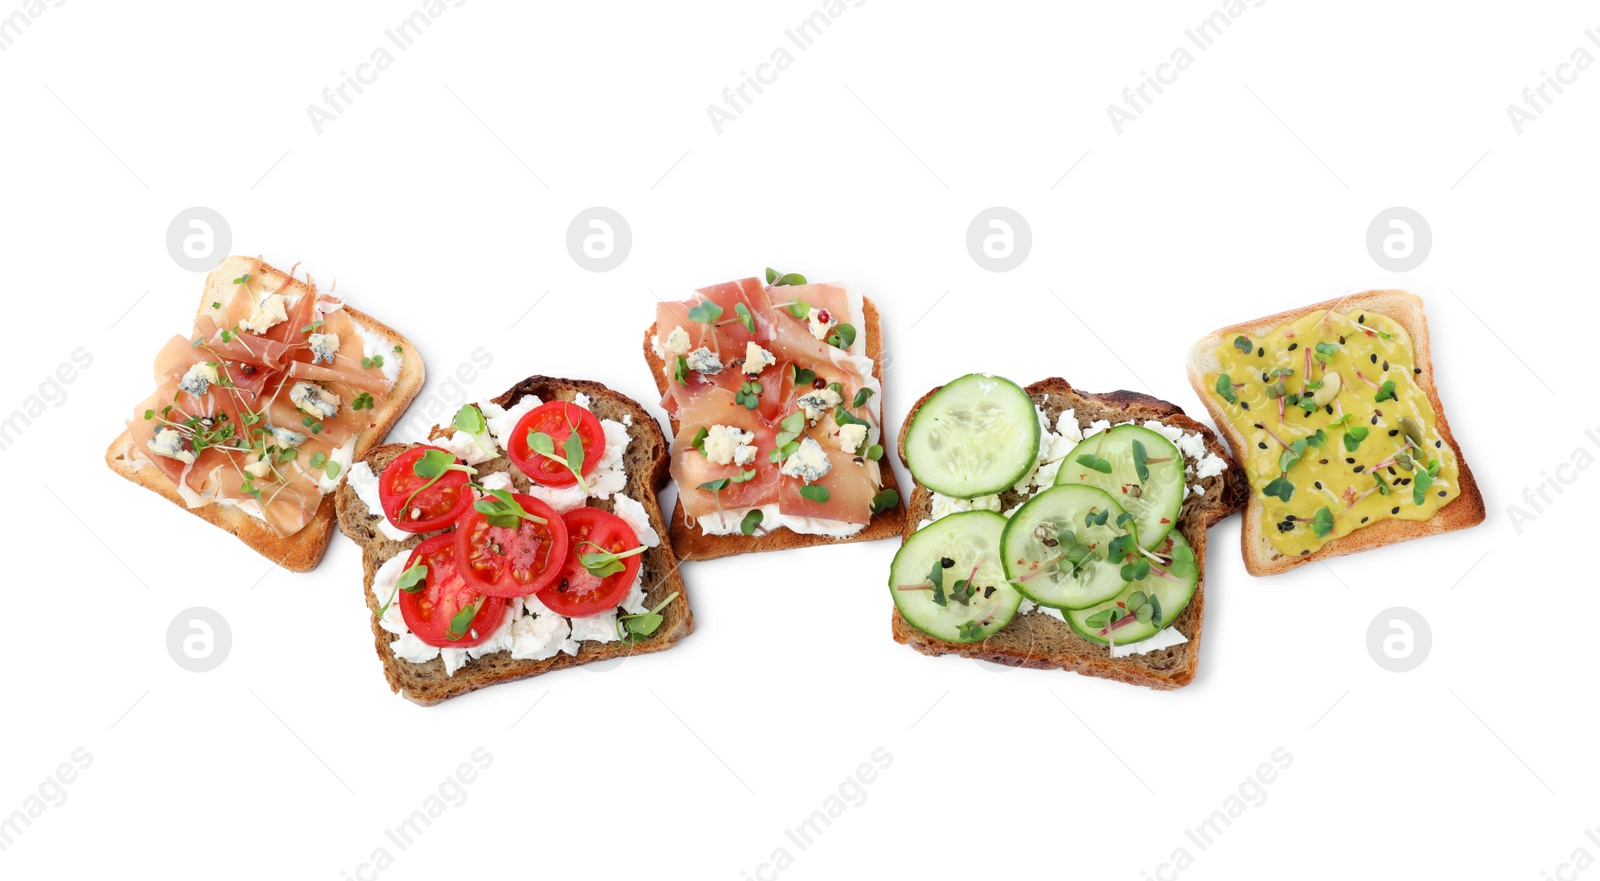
[
  {"x": 261, "y": 408},
  {"x": 1056, "y": 529},
  {"x": 524, "y": 537},
  {"x": 775, "y": 395},
  {"x": 1333, "y": 412}
]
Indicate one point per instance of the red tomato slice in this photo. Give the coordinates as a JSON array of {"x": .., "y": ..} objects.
[
  {"x": 433, "y": 508},
  {"x": 578, "y": 593},
  {"x": 504, "y": 562},
  {"x": 444, "y": 593},
  {"x": 558, "y": 419}
]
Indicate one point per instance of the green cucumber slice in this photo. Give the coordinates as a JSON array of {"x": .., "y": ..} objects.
[
  {"x": 975, "y": 436},
  {"x": 1054, "y": 525},
  {"x": 1171, "y": 595},
  {"x": 1153, "y": 499},
  {"x": 970, "y": 541}
]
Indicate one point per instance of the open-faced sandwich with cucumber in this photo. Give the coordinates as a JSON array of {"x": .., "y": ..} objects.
[
  {"x": 775, "y": 392},
  {"x": 1333, "y": 410},
  {"x": 1055, "y": 529},
  {"x": 524, "y": 537}
]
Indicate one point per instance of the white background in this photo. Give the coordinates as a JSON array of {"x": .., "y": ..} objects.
[{"x": 1246, "y": 188}]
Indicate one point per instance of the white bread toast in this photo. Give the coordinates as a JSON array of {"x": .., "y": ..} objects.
[
  {"x": 301, "y": 551},
  {"x": 1406, "y": 309}
]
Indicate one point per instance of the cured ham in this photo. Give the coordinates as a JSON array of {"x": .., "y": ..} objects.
[
  {"x": 247, "y": 411},
  {"x": 742, "y": 423}
]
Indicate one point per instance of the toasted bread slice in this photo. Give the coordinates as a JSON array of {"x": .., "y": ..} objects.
[
  {"x": 302, "y": 551},
  {"x": 646, "y": 464},
  {"x": 1043, "y": 642},
  {"x": 1405, "y": 308},
  {"x": 693, "y": 544}
]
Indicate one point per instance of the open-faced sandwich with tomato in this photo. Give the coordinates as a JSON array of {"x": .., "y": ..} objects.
[
  {"x": 524, "y": 537},
  {"x": 1059, "y": 529},
  {"x": 775, "y": 392},
  {"x": 262, "y": 406}
]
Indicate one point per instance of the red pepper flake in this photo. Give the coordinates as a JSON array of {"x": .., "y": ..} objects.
[{"x": 1165, "y": 520}]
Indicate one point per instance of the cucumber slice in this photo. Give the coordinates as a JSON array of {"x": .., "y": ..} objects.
[
  {"x": 1153, "y": 499},
  {"x": 1055, "y": 556},
  {"x": 1171, "y": 595},
  {"x": 969, "y": 540},
  {"x": 976, "y": 436}
]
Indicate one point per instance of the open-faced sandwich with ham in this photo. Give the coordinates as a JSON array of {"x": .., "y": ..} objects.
[
  {"x": 524, "y": 537},
  {"x": 775, "y": 392},
  {"x": 259, "y": 410}
]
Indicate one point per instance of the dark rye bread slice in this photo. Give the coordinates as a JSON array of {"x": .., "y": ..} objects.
[
  {"x": 646, "y": 465},
  {"x": 1042, "y": 642},
  {"x": 1405, "y": 308},
  {"x": 302, "y": 551},
  {"x": 693, "y": 544}
]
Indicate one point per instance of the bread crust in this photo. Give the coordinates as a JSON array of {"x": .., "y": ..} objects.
[
  {"x": 693, "y": 544},
  {"x": 1462, "y": 512},
  {"x": 1041, "y": 642},
  {"x": 302, "y": 551},
  {"x": 647, "y": 466}
]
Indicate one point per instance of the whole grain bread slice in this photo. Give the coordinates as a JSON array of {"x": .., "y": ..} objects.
[
  {"x": 1406, "y": 309},
  {"x": 302, "y": 551},
  {"x": 645, "y": 463},
  {"x": 692, "y": 543},
  {"x": 1043, "y": 642}
]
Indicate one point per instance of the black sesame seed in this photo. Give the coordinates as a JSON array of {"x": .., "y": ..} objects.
[
  {"x": 1362, "y": 319},
  {"x": 1262, "y": 444},
  {"x": 1404, "y": 481},
  {"x": 1293, "y": 346},
  {"x": 1386, "y": 365},
  {"x": 1393, "y": 432},
  {"x": 1259, "y": 425},
  {"x": 1264, "y": 378},
  {"x": 1319, "y": 484},
  {"x": 1442, "y": 493},
  {"x": 1374, "y": 357},
  {"x": 1365, "y": 519},
  {"x": 1322, "y": 461},
  {"x": 1303, "y": 553},
  {"x": 1290, "y": 517},
  {"x": 1438, "y": 443},
  {"x": 1261, "y": 352},
  {"x": 1360, "y": 468},
  {"x": 1349, "y": 461},
  {"x": 1416, "y": 370},
  {"x": 1329, "y": 408},
  {"x": 1394, "y": 510},
  {"x": 1341, "y": 339},
  {"x": 1245, "y": 404},
  {"x": 1374, "y": 419},
  {"x": 946, "y": 562},
  {"x": 1391, "y": 470}
]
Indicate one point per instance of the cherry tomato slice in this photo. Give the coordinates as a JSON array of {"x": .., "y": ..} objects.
[
  {"x": 558, "y": 419},
  {"x": 433, "y": 508},
  {"x": 577, "y": 593},
  {"x": 430, "y": 611},
  {"x": 505, "y": 562}
]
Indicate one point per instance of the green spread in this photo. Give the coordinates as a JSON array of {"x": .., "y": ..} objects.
[{"x": 1338, "y": 434}]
